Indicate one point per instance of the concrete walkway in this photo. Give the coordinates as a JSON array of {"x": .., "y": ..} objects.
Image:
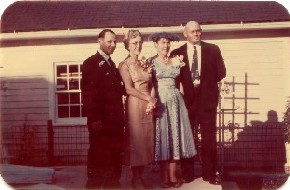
[{"x": 74, "y": 178}]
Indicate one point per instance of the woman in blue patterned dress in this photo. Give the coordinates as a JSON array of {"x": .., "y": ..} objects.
[{"x": 174, "y": 138}]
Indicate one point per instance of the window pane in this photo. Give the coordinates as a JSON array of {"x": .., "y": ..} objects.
[
  {"x": 61, "y": 71},
  {"x": 63, "y": 111},
  {"x": 73, "y": 70},
  {"x": 68, "y": 93},
  {"x": 61, "y": 84},
  {"x": 75, "y": 98},
  {"x": 74, "y": 84},
  {"x": 63, "y": 98},
  {"x": 75, "y": 111}
]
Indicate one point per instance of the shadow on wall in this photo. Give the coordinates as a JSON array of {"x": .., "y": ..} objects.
[
  {"x": 25, "y": 136},
  {"x": 24, "y": 112},
  {"x": 260, "y": 153}
]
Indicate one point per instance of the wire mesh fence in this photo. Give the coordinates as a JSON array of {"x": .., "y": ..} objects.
[
  {"x": 71, "y": 144},
  {"x": 245, "y": 148},
  {"x": 25, "y": 145},
  {"x": 260, "y": 146}
]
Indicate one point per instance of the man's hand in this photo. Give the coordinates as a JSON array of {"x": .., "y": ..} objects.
[{"x": 95, "y": 126}]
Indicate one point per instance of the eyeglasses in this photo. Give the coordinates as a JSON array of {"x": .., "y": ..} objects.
[{"x": 137, "y": 43}]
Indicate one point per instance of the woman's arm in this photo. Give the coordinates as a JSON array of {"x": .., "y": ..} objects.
[
  {"x": 181, "y": 88},
  {"x": 129, "y": 86}
]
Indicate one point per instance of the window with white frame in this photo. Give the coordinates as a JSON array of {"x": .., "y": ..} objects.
[{"x": 68, "y": 91}]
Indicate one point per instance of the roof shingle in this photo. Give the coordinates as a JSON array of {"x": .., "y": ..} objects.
[{"x": 24, "y": 16}]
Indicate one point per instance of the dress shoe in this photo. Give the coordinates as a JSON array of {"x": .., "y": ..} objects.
[
  {"x": 176, "y": 184},
  {"x": 205, "y": 178},
  {"x": 187, "y": 180},
  {"x": 165, "y": 184},
  {"x": 140, "y": 184},
  {"x": 183, "y": 180},
  {"x": 214, "y": 181}
]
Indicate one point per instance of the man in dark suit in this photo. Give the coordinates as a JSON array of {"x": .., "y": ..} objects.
[
  {"x": 199, "y": 78},
  {"x": 102, "y": 92}
]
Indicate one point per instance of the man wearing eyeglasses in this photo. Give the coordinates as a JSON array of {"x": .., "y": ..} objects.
[{"x": 199, "y": 78}]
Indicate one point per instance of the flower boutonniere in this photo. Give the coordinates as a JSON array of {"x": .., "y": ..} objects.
[
  {"x": 101, "y": 63},
  {"x": 147, "y": 67},
  {"x": 177, "y": 61}
]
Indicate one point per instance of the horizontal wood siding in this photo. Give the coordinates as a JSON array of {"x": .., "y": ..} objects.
[
  {"x": 263, "y": 59},
  {"x": 28, "y": 96},
  {"x": 25, "y": 99}
]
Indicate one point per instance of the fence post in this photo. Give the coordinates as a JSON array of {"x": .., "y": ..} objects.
[{"x": 50, "y": 142}]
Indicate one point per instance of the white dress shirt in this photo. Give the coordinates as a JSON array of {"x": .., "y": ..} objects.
[
  {"x": 105, "y": 56},
  {"x": 190, "y": 51}
]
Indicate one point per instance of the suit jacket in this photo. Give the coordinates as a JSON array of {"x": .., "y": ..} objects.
[
  {"x": 102, "y": 91},
  {"x": 212, "y": 71}
]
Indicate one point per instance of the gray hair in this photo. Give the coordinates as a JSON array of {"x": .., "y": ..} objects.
[{"x": 131, "y": 34}]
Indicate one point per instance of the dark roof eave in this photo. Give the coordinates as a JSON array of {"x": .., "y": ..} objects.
[{"x": 25, "y": 16}]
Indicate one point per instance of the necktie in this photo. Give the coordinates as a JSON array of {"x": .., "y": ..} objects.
[
  {"x": 194, "y": 66},
  {"x": 111, "y": 63}
]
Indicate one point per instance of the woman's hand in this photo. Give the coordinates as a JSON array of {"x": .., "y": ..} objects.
[
  {"x": 149, "y": 109},
  {"x": 177, "y": 61},
  {"x": 151, "y": 105},
  {"x": 152, "y": 101}
]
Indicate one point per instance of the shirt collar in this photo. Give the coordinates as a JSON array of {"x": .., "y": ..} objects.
[
  {"x": 190, "y": 46},
  {"x": 105, "y": 56}
]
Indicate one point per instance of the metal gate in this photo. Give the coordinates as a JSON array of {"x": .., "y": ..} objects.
[
  {"x": 247, "y": 147},
  {"x": 241, "y": 147}
]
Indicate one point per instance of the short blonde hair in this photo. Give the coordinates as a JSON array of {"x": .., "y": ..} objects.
[{"x": 131, "y": 34}]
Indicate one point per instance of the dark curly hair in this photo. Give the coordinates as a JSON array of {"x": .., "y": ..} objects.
[{"x": 155, "y": 37}]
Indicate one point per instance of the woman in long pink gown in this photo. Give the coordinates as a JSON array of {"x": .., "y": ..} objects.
[{"x": 136, "y": 76}]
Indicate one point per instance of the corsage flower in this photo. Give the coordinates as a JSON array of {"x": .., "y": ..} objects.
[
  {"x": 101, "y": 63},
  {"x": 177, "y": 61},
  {"x": 147, "y": 67}
]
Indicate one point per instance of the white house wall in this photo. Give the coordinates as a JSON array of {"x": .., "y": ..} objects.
[
  {"x": 27, "y": 76},
  {"x": 266, "y": 61}
]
